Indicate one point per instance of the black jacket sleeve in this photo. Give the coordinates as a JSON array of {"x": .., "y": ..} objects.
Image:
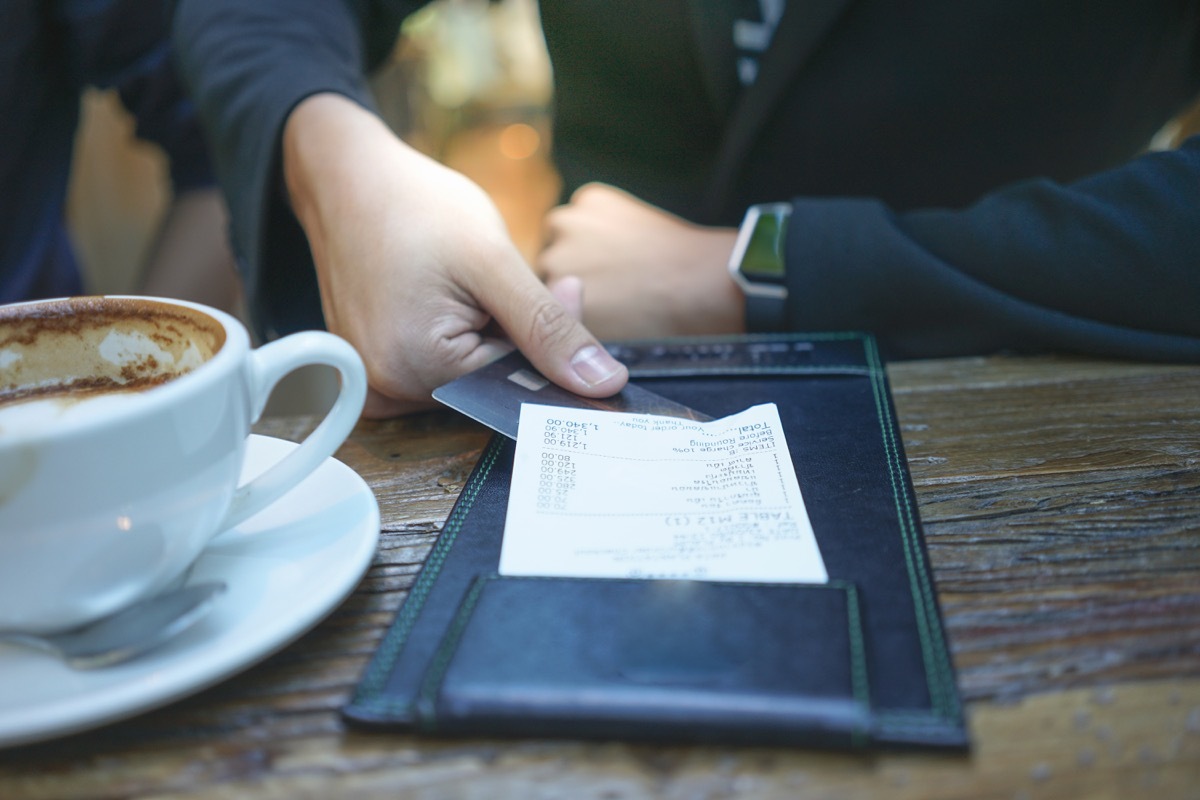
[
  {"x": 124, "y": 45},
  {"x": 1108, "y": 265},
  {"x": 248, "y": 64}
]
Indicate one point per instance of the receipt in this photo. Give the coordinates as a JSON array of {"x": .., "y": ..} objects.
[{"x": 599, "y": 494}]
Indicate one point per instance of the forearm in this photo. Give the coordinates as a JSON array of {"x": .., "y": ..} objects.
[
  {"x": 248, "y": 65},
  {"x": 343, "y": 166},
  {"x": 190, "y": 257}
]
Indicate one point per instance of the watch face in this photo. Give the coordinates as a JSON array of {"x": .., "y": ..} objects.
[{"x": 763, "y": 261}]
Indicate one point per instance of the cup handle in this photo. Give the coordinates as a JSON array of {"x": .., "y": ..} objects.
[{"x": 267, "y": 365}]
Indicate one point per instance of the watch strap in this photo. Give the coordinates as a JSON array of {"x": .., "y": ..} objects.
[
  {"x": 766, "y": 314},
  {"x": 758, "y": 267}
]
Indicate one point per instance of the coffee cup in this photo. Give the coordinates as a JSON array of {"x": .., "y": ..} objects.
[{"x": 123, "y": 428}]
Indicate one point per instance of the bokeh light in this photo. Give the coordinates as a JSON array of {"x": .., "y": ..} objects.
[{"x": 519, "y": 141}]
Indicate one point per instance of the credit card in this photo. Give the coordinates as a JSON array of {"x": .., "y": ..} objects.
[{"x": 493, "y": 395}]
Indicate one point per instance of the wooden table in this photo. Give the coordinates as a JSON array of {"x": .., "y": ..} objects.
[{"x": 1061, "y": 502}]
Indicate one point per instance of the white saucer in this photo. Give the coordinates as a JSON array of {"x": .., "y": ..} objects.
[{"x": 307, "y": 553}]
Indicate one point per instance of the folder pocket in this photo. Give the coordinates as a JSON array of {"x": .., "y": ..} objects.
[{"x": 693, "y": 660}]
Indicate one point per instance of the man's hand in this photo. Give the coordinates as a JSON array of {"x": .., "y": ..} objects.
[
  {"x": 415, "y": 265},
  {"x": 644, "y": 272}
]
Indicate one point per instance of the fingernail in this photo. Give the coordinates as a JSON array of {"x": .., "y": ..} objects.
[{"x": 594, "y": 364}]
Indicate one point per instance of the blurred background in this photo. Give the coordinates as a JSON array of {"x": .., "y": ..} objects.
[{"x": 468, "y": 83}]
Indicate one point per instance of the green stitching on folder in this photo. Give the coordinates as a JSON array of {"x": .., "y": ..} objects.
[
  {"x": 427, "y": 694},
  {"x": 393, "y": 642},
  {"x": 860, "y": 685},
  {"x": 936, "y": 669}
]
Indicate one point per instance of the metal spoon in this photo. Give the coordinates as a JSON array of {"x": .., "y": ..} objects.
[{"x": 129, "y": 632}]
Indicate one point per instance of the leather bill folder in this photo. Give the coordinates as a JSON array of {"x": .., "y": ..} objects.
[{"x": 859, "y": 661}]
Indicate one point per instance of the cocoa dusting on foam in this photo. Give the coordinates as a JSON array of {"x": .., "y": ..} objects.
[
  {"x": 55, "y": 348},
  {"x": 81, "y": 389},
  {"x": 141, "y": 370},
  {"x": 23, "y": 324}
]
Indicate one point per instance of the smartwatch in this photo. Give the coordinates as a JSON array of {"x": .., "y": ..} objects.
[{"x": 757, "y": 266}]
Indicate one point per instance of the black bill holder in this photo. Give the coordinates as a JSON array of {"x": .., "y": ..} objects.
[{"x": 859, "y": 661}]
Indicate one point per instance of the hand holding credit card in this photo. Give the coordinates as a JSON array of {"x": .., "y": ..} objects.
[{"x": 493, "y": 395}]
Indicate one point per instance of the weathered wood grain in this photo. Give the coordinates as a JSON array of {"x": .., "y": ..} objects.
[{"x": 1061, "y": 505}]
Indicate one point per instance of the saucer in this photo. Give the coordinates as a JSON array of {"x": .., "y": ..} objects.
[{"x": 286, "y": 569}]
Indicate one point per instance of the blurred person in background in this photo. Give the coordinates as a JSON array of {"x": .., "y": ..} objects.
[
  {"x": 50, "y": 52},
  {"x": 957, "y": 178}
]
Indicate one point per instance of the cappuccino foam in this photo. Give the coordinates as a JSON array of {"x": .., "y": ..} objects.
[{"x": 56, "y": 355}]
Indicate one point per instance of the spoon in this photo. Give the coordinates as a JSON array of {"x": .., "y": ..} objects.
[{"x": 127, "y": 633}]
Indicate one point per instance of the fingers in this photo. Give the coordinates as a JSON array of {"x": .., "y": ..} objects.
[
  {"x": 589, "y": 198},
  {"x": 568, "y": 291},
  {"x": 549, "y": 335},
  {"x": 595, "y": 191}
]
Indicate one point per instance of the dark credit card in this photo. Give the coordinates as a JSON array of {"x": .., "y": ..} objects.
[{"x": 493, "y": 395}]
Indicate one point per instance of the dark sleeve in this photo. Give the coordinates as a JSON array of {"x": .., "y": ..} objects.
[
  {"x": 1107, "y": 265},
  {"x": 248, "y": 64},
  {"x": 125, "y": 45}
]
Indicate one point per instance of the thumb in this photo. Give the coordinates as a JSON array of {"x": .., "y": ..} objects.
[
  {"x": 552, "y": 338},
  {"x": 568, "y": 290}
]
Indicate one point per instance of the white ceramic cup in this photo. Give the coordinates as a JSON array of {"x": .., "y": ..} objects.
[{"x": 123, "y": 427}]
